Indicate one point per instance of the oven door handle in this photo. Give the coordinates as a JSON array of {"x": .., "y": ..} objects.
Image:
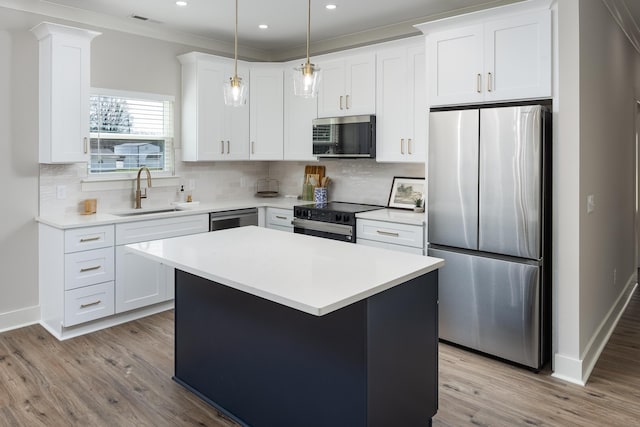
[{"x": 327, "y": 227}]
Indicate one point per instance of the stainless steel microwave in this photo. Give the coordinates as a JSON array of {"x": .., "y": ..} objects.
[{"x": 345, "y": 137}]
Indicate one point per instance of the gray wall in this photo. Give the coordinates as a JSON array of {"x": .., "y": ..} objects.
[
  {"x": 19, "y": 178},
  {"x": 594, "y": 154}
]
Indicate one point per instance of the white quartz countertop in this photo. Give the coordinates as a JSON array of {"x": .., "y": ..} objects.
[
  {"x": 310, "y": 274},
  {"x": 402, "y": 216},
  {"x": 102, "y": 218}
]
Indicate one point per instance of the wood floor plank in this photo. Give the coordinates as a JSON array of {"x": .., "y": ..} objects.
[{"x": 121, "y": 376}]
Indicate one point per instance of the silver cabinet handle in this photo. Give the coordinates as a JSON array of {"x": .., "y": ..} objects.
[
  {"x": 95, "y": 267},
  {"x": 341, "y": 102},
  {"x": 347, "y": 103},
  {"x": 253, "y": 147},
  {"x": 89, "y": 304},
  {"x": 228, "y": 144},
  {"x": 89, "y": 239},
  {"x": 489, "y": 82},
  {"x": 479, "y": 83},
  {"x": 387, "y": 233},
  {"x": 409, "y": 146},
  {"x": 401, "y": 145},
  {"x": 86, "y": 146},
  {"x": 281, "y": 217},
  {"x": 221, "y": 147}
]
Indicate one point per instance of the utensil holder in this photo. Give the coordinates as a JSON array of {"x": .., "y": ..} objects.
[{"x": 320, "y": 195}]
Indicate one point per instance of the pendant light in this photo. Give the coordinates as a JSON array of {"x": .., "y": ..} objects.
[
  {"x": 235, "y": 91},
  {"x": 307, "y": 76}
]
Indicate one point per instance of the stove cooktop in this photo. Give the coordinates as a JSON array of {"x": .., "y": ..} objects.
[
  {"x": 342, "y": 207},
  {"x": 333, "y": 212}
]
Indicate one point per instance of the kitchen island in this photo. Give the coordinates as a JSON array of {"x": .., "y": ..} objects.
[{"x": 282, "y": 329}]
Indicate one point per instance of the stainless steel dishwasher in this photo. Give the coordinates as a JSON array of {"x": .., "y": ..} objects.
[{"x": 233, "y": 218}]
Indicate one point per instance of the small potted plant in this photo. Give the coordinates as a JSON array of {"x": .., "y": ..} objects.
[{"x": 418, "y": 204}]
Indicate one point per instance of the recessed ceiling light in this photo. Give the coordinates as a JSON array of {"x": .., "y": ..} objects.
[
  {"x": 263, "y": 26},
  {"x": 181, "y": 3},
  {"x": 331, "y": 6}
]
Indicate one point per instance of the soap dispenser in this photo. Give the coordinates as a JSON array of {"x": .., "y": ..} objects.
[{"x": 181, "y": 196}]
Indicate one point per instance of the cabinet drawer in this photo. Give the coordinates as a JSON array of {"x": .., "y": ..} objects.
[
  {"x": 391, "y": 246},
  {"x": 88, "y": 268},
  {"x": 88, "y": 303},
  {"x": 279, "y": 217},
  {"x": 390, "y": 232},
  {"x": 82, "y": 239},
  {"x": 153, "y": 229}
]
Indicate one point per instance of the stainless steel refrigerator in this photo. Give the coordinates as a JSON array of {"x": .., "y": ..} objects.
[{"x": 488, "y": 217}]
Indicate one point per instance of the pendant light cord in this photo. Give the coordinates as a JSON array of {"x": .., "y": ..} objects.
[
  {"x": 235, "y": 61},
  {"x": 308, "y": 27}
]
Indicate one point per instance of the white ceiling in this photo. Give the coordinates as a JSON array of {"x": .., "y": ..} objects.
[{"x": 287, "y": 19}]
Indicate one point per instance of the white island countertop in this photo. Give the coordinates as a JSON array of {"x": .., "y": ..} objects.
[{"x": 310, "y": 274}]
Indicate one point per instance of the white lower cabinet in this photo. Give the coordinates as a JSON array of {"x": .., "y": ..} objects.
[
  {"x": 391, "y": 235},
  {"x": 76, "y": 275},
  {"x": 280, "y": 219},
  {"x": 139, "y": 281},
  {"x": 86, "y": 277}
]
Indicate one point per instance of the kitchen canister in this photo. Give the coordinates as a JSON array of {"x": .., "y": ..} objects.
[{"x": 320, "y": 195}]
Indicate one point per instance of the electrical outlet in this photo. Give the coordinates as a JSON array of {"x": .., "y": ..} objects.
[
  {"x": 61, "y": 192},
  {"x": 591, "y": 203}
]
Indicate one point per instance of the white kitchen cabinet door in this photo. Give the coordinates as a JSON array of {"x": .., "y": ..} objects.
[
  {"x": 518, "y": 57},
  {"x": 455, "y": 65},
  {"x": 401, "y": 104},
  {"x": 348, "y": 86},
  {"x": 64, "y": 81},
  {"x": 139, "y": 281},
  {"x": 211, "y": 130},
  {"x": 266, "y": 112},
  {"x": 299, "y": 113}
]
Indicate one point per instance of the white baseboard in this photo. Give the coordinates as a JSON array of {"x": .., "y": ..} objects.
[
  {"x": 19, "y": 318},
  {"x": 600, "y": 339},
  {"x": 577, "y": 371}
]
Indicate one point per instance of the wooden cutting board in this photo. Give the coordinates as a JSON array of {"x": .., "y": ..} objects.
[{"x": 314, "y": 169}]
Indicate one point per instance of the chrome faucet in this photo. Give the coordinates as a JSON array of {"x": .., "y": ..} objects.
[{"x": 139, "y": 195}]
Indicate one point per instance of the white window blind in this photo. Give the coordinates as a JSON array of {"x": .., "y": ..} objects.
[{"x": 130, "y": 130}]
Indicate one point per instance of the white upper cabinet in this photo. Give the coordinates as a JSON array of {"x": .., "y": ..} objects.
[
  {"x": 455, "y": 65},
  {"x": 518, "y": 57},
  {"x": 266, "y": 112},
  {"x": 401, "y": 103},
  {"x": 64, "y": 81},
  {"x": 210, "y": 129},
  {"x": 347, "y": 86},
  {"x": 299, "y": 113},
  {"x": 494, "y": 55}
]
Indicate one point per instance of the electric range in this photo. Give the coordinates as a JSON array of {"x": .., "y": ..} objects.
[{"x": 333, "y": 220}]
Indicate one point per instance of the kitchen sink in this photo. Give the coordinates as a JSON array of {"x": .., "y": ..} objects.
[{"x": 145, "y": 212}]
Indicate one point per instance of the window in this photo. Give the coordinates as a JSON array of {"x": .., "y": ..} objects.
[{"x": 130, "y": 130}]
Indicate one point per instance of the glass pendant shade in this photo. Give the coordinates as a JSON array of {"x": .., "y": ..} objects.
[
  {"x": 306, "y": 80},
  {"x": 235, "y": 92},
  {"x": 306, "y": 77}
]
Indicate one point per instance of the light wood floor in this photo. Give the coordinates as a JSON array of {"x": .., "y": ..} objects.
[{"x": 122, "y": 377}]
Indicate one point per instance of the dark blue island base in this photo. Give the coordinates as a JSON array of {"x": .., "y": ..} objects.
[{"x": 373, "y": 363}]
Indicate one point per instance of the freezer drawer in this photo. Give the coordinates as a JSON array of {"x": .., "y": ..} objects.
[{"x": 490, "y": 305}]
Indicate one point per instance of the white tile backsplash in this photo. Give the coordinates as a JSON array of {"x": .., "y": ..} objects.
[{"x": 359, "y": 181}]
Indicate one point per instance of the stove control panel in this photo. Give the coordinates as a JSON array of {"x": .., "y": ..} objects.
[{"x": 324, "y": 215}]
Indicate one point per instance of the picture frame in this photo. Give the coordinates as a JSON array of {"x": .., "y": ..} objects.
[{"x": 405, "y": 191}]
